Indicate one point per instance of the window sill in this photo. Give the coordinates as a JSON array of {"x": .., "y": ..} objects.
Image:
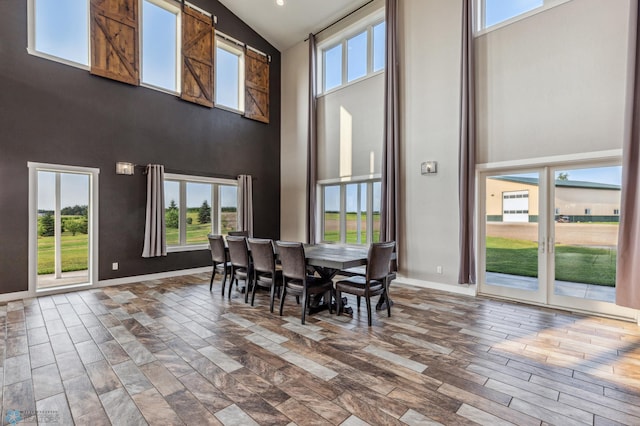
[
  {"x": 520, "y": 17},
  {"x": 57, "y": 59},
  {"x": 230, "y": 109},
  {"x": 351, "y": 83},
  {"x": 194, "y": 247}
]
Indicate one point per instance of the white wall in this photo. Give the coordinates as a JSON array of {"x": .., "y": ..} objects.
[{"x": 551, "y": 84}]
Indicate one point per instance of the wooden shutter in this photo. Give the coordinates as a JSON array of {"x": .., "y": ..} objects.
[
  {"x": 197, "y": 57},
  {"x": 256, "y": 86},
  {"x": 114, "y": 40}
]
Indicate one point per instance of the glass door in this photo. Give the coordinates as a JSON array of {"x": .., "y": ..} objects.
[{"x": 513, "y": 264}]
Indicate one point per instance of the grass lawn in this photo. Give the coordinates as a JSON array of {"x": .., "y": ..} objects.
[
  {"x": 75, "y": 253},
  {"x": 589, "y": 265},
  {"x": 197, "y": 233},
  {"x": 332, "y": 228}
]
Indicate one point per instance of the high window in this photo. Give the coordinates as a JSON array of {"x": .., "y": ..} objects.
[
  {"x": 355, "y": 55},
  {"x": 350, "y": 212},
  {"x": 196, "y": 206},
  {"x": 160, "y": 44},
  {"x": 495, "y": 13},
  {"x": 60, "y": 29},
  {"x": 229, "y": 75}
]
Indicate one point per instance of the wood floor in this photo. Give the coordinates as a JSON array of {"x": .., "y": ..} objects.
[{"x": 170, "y": 352}]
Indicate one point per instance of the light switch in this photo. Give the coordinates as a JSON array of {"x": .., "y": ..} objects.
[{"x": 429, "y": 167}]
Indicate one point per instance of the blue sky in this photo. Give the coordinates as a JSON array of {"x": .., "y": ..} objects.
[
  {"x": 74, "y": 190},
  {"x": 198, "y": 192},
  {"x": 501, "y": 10},
  {"x": 332, "y": 197},
  {"x": 611, "y": 175}
]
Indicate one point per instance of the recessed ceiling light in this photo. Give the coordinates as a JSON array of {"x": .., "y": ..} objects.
[{"x": 280, "y": 2}]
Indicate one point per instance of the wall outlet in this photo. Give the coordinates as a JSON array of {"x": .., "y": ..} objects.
[
  {"x": 114, "y": 266},
  {"x": 439, "y": 269}
]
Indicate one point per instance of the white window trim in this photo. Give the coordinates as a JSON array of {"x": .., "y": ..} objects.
[
  {"x": 480, "y": 11},
  {"x": 215, "y": 207},
  {"x": 341, "y": 37},
  {"x": 93, "y": 173},
  {"x": 173, "y": 7},
  {"x": 227, "y": 43},
  {"x": 31, "y": 39}
]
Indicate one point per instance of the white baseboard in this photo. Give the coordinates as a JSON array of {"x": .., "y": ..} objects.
[
  {"x": 8, "y": 297},
  {"x": 149, "y": 277},
  {"x": 464, "y": 289}
]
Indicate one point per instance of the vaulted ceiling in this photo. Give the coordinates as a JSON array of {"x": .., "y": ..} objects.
[{"x": 284, "y": 26}]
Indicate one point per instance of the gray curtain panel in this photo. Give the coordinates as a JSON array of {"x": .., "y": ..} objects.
[
  {"x": 628, "y": 266},
  {"x": 245, "y": 204},
  {"x": 155, "y": 242},
  {"x": 312, "y": 145},
  {"x": 390, "y": 180},
  {"x": 467, "y": 160}
]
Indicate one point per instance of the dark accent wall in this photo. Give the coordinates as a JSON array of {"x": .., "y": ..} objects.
[{"x": 54, "y": 113}]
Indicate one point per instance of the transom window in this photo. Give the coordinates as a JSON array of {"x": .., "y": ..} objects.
[
  {"x": 229, "y": 75},
  {"x": 196, "y": 206},
  {"x": 496, "y": 13},
  {"x": 160, "y": 44},
  {"x": 355, "y": 55},
  {"x": 350, "y": 212}
]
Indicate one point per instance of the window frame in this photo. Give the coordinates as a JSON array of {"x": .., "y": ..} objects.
[
  {"x": 31, "y": 38},
  {"x": 172, "y": 7},
  {"x": 369, "y": 181},
  {"x": 480, "y": 13},
  {"x": 216, "y": 208},
  {"x": 233, "y": 47},
  {"x": 341, "y": 38}
]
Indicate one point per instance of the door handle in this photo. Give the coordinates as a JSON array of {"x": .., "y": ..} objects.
[{"x": 542, "y": 246}]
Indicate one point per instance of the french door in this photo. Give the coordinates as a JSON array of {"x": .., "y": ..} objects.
[{"x": 548, "y": 235}]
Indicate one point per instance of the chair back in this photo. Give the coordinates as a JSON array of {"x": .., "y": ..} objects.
[
  {"x": 293, "y": 260},
  {"x": 238, "y": 233},
  {"x": 216, "y": 244},
  {"x": 379, "y": 260},
  {"x": 238, "y": 251},
  {"x": 262, "y": 254}
]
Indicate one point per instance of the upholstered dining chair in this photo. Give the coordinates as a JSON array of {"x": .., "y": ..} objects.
[
  {"x": 238, "y": 233},
  {"x": 219, "y": 258},
  {"x": 241, "y": 267},
  {"x": 375, "y": 282},
  {"x": 265, "y": 272},
  {"x": 295, "y": 279}
]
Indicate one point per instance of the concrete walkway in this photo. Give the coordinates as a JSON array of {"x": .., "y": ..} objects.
[{"x": 561, "y": 288}]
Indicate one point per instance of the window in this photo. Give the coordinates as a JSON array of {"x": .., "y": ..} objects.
[
  {"x": 229, "y": 75},
  {"x": 351, "y": 212},
  {"x": 160, "y": 45},
  {"x": 60, "y": 29},
  {"x": 353, "y": 56},
  {"x": 616, "y": 212},
  {"x": 495, "y": 12},
  {"x": 587, "y": 211},
  {"x": 197, "y": 206}
]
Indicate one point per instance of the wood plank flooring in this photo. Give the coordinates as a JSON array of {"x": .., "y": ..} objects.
[{"x": 170, "y": 352}]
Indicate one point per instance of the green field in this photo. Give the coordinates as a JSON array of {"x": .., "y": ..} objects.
[
  {"x": 332, "y": 228},
  {"x": 589, "y": 265},
  {"x": 197, "y": 232},
  {"x": 74, "y": 253}
]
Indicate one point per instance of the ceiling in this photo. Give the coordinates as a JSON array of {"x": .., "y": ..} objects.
[{"x": 285, "y": 26}]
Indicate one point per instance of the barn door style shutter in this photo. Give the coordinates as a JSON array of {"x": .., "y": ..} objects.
[
  {"x": 256, "y": 86},
  {"x": 114, "y": 40},
  {"x": 197, "y": 57}
]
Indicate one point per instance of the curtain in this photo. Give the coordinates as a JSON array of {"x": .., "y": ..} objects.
[
  {"x": 312, "y": 144},
  {"x": 467, "y": 160},
  {"x": 391, "y": 143},
  {"x": 245, "y": 204},
  {"x": 628, "y": 267},
  {"x": 155, "y": 243}
]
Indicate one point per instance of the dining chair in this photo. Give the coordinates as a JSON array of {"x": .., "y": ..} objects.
[
  {"x": 238, "y": 233},
  {"x": 375, "y": 282},
  {"x": 241, "y": 267},
  {"x": 219, "y": 258},
  {"x": 295, "y": 279},
  {"x": 265, "y": 272}
]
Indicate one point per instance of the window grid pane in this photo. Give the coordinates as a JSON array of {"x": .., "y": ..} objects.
[
  {"x": 227, "y": 78},
  {"x": 379, "y": 46},
  {"x": 159, "y": 46},
  {"x": 62, "y": 29},
  {"x": 228, "y": 209},
  {"x": 198, "y": 212},
  {"x": 357, "y": 56},
  {"x": 172, "y": 212},
  {"x": 497, "y": 11},
  {"x": 332, "y": 67},
  {"x": 331, "y": 217}
]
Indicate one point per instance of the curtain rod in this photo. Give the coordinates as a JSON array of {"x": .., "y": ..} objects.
[
  {"x": 241, "y": 44},
  {"x": 341, "y": 19},
  {"x": 192, "y": 173}
]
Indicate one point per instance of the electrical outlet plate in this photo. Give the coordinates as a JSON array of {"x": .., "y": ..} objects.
[
  {"x": 114, "y": 266},
  {"x": 429, "y": 167}
]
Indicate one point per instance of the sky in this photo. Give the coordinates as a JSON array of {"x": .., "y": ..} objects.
[
  {"x": 199, "y": 192},
  {"x": 332, "y": 197},
  {"x": 610, "y": 175},
  {"x": 74, "y": 190},
  {"x": 501, "y": 10}
]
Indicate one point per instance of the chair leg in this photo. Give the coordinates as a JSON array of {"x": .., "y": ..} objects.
[
  {"x": 386, "y": 295},
  {"x": 224, "y": 279},
  {"x": 284, "y": 293},
  {"x": 358, "y": 300},
  {"x": 233, "y": 277},
  {"x": 305, "y": 297},
  {"x": 338, "y": 302},
  {"x": 272, "y": 296},
  {"x": 368, "y": 300},
  {"x": 327, "y": 297},
  {"x": 213, "y": 274},
  {"x": 247, "y": 284},
  {"x": 253, "y": 292}
]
